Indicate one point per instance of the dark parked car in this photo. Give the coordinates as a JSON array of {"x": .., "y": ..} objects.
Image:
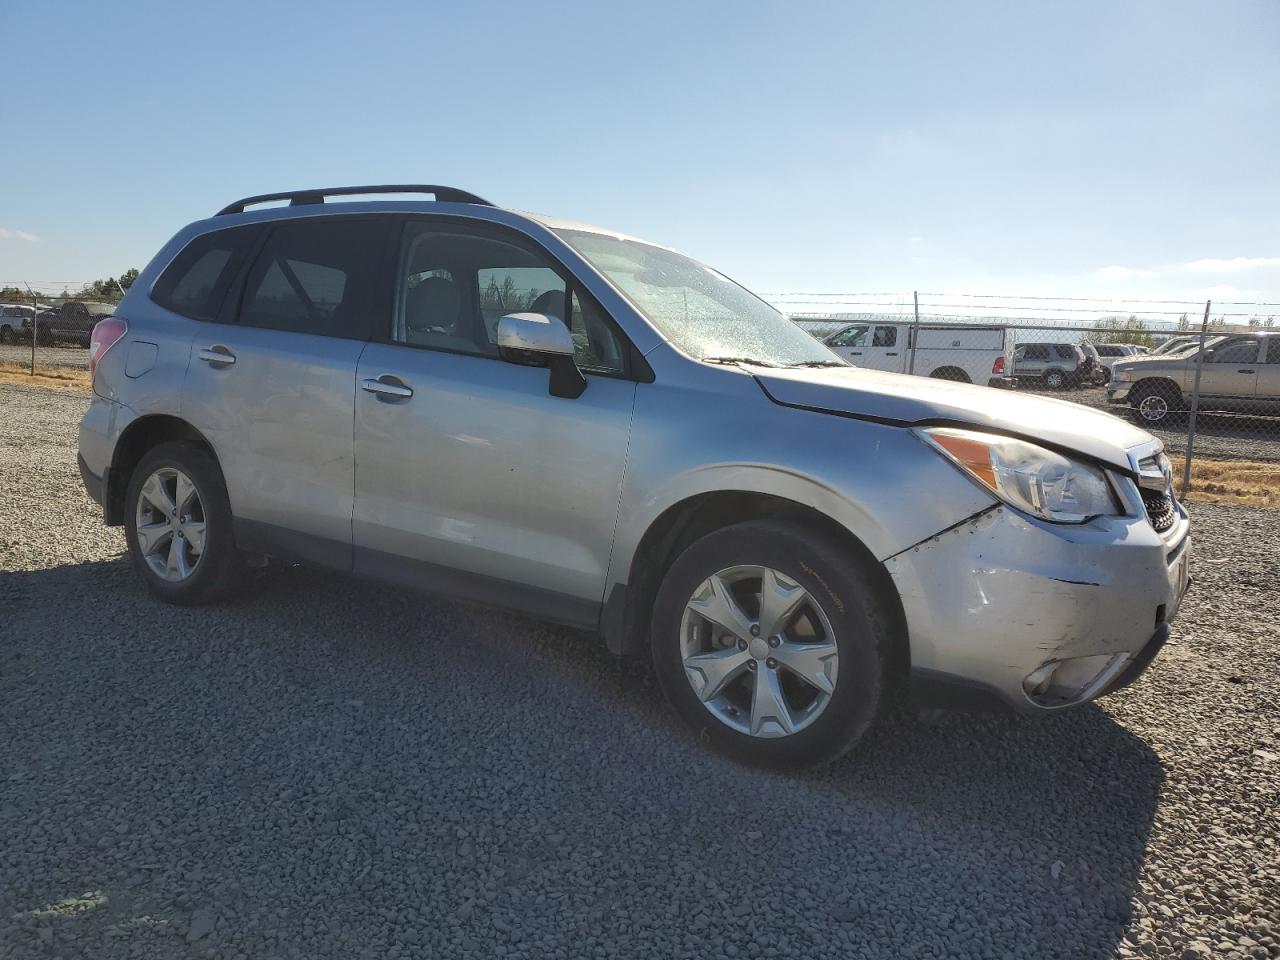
[{"x": 73, "y": 321}]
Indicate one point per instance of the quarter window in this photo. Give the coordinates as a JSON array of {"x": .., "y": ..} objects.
[
  {"x": 195, "y": 283},
  {"x": 315, "y": 277}
]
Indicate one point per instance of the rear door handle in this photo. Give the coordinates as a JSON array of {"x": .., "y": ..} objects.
[
  {"x": 217, "y": 355},
  {"x": 894, "y": 354},
  {"x": 387, "y": 388},
  {"x": 1246, "y": 371},
  {"x": 855, "y": 353}
]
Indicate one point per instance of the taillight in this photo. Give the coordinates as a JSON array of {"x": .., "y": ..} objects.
[
  {"x": 105, "y": 334},
  {"x": 998, "y": 366}
]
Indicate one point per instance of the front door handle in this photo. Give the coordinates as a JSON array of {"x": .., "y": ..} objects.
[
  {"x": 217, "y": 356},
  {"x": 1246, "y": 371},
  {"x": 387, "y": 388},
  {"x": 855, "y": 353},
  {"x": 894, "y": 354}
]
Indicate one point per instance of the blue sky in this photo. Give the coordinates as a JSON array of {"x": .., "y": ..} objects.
[{"x": 1087, "y": 148}]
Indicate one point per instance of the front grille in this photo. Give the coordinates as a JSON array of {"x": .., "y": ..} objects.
[{"x": 1160, "y": 509}]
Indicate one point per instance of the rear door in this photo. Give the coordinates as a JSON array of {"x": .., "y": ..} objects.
[
  {"x": 1268, "y": 388},
  {"x": 470, "y": 476},
  {"x": 271, "y": 383}
]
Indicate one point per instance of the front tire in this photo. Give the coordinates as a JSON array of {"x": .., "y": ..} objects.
[
  {"x": 768, "y": 639},
  {"x": 178, "y": 526},
  {"x": 1153, "y": 403}
]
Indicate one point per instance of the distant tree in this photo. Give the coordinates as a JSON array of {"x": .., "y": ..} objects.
[
  {"x": 127, "y": 278},
  {"x": 1183, "y": 324},
  {"x": 1131, "y": 329}
]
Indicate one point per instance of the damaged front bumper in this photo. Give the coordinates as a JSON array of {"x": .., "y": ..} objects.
[{"x": 1004, "y": 610}]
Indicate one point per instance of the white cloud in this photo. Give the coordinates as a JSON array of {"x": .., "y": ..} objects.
[
  {"x": 7, "y": 234},
  {"x": 1233, "y": 265},
  {"x": 1124, "y": 273}
]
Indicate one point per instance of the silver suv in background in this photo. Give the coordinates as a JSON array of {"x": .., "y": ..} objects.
[
  {"x": 1056, "y": 365},
  {"x": 1238, "y": 373},
  {"x": 583, "y": 426}
]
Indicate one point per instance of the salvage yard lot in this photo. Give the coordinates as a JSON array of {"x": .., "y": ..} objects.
[{"x": 326, "y": 767}]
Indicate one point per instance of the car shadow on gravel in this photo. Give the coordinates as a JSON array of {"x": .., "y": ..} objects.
[{"x": 326, "y": 706}]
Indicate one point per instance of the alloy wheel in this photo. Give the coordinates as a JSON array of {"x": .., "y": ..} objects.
[
  {"x": 758, "y": 651},
  {"x": 170, "y": 524}
]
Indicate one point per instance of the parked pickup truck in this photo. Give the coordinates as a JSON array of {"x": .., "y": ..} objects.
[
  {"x": 1239, "y": 373},
  {"x": 965, "y": 353}
]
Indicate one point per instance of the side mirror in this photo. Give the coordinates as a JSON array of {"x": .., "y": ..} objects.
[
  {"x": 539, "y": 339},
  {"x": 1208, "y": 354}
]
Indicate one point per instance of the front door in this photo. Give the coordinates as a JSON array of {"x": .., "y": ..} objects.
[
  {"x": 272, "y": 386},
  {"x": 1230, "y": 375},
  {"x": 470, "y": 476}
]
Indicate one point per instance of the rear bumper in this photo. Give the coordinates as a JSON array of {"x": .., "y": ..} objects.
[
  {"x": 1035, "y": 616},
  {"x": 94, "y": 485}
]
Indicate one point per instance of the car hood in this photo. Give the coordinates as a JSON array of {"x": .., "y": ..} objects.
[{"x": 908, "y": 400}]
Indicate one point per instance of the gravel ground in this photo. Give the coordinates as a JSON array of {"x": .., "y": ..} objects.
[
  {"x": 330, "y": 768},
  {"x": 64, "y": 356},
  {"x": 1222, "y": 436}
]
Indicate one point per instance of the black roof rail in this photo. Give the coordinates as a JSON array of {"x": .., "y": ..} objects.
[{"x": 301, "y": 198}]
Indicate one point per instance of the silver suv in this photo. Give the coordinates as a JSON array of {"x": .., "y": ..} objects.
[
  {"x": 1056, "y": 365},
  {"x": 1239, "y": 373},
  {"x": 579, "y": 425}
]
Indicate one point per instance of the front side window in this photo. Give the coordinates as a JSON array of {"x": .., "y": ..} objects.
[
  {"x": 1273, "y": 350},
  {"x": 885, "y": 337},
  {"x": 852, "y": 337},
  {"x": 315, "y": 276},
  {"x": 456, "y": 285},
  {"x": 195, "y": 283},
  {"x": 1241, "y": 351},
  {"x": 702, "y": 312}
]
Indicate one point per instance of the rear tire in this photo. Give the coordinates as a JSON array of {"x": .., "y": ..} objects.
[
  {"x": 954, "y": 374},
  {"x": 6, "y": 335},
  {"x": 177, "y": 569},
  {"x": 815, "y": 686},
  {"x": 1054, "y": 379}
]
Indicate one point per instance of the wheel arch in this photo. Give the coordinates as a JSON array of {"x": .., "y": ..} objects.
[
  {"x": 949, "y": 371},
  {"x": 143, "y": 434},
  {"x": 1156, "y": 384},
  {"x": 626, "y": 617}
]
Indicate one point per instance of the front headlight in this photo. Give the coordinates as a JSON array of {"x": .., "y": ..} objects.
[{"x": 1025, "y": 476}]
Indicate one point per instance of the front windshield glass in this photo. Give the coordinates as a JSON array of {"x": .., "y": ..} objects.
[{"x": 702, "y": 312}]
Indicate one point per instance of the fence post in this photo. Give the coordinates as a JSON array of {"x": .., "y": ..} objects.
[
  {"x": 915, "y": 331},
  {"x": 35, "y": 313},
  {"x": 1195, "y": 404}
]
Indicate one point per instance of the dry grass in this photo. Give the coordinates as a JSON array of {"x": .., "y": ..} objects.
[
  {"x": 1249, "y": 482},
  {"x": 55, "y": 377}
]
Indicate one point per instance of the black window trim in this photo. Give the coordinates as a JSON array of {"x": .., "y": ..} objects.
[{"x": 636, "y": 367}]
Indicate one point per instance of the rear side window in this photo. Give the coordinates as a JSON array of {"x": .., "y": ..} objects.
[
  {"x": 1065, "y": 351},
  {"x": 195, "y": 283},
  {"x": 315, "y": 276}
]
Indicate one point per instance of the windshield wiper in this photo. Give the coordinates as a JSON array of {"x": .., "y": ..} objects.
[
  {"x": 819, "y": 363},
  {"x": 734, "y": 360}
]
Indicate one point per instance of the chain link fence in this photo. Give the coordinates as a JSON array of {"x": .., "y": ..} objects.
[
  {"x": 1208, "y": 385},
  {"x": 49, "y": 336}
]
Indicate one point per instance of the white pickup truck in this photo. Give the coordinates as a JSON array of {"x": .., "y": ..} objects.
[{"x": 965, "y": 352}]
